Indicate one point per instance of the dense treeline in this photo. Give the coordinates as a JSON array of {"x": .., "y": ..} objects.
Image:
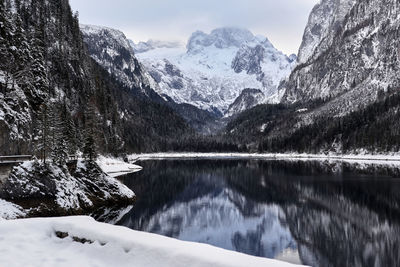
[
  {"x": 374, "y": 128},
  {"x": 44, "y": 60},
  {"x": 281, "y": 128},
  {"x": 203, "y": 143}
]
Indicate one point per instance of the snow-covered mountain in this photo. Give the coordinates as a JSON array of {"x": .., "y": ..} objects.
[
  {"x": 349, "y": 55},
  {"x": 325, "y": 19},
  {"x": 214, "y": 69},
  {"x": 111, "y": 49}
]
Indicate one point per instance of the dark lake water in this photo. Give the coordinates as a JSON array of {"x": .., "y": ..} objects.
[{"x": 314, "y": 213}]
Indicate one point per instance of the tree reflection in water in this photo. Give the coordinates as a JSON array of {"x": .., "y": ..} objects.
[{"x": 323, "y": 213}]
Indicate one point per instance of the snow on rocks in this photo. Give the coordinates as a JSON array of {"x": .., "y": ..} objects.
[
  {"x": 9, "y": 210},
  {"x": 81, "y": 241},
  {"x": 53, "y": 190},
  {"x": 116, "y": 167}
]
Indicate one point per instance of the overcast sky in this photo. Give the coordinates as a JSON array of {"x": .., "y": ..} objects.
[{"x": 282, "y": 21}]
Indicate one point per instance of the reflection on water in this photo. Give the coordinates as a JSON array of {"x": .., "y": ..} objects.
[{"x": 319, "y": 214}]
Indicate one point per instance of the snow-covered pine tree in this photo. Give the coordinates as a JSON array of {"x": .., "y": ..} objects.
[
  {"x": 21, "y": 54},
  {"x": 43, "y": 131},
  {"x": 7, "y": 30},
  {"x": 69, "y": 130},
  {"x": 38, "y": 84},
  {"x": 59, "y": 149},
  {"x": 89, "y": 148}
]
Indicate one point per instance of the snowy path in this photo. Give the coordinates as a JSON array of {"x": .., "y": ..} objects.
[
  {"x": 35, "y": 242},
  {"x": 116, "y": 167}
]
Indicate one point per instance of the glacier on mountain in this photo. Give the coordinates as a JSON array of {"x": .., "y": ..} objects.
[{"x": 213, "y": 69}]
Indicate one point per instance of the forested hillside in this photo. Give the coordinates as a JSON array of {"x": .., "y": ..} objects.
[
  {"x": 277, "y": 128},
  {"x": 50, "y": 89}
]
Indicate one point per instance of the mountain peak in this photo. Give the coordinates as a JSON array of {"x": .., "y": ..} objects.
[
  {"x": 106, "y": 33},
  {"x": 220, "y": 38}
]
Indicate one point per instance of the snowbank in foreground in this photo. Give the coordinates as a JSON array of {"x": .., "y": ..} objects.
[
  {"x": 378, "y": 158},
  {"x": 116, "y": 167},
  {"x": 81, "y": 241}
]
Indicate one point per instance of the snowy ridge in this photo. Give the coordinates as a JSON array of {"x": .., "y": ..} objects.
[
  {"x": 324, "y": 20},
  {"x": 80, "y": 241},
  {"x": 111, "y": 49},
  {"x": 215, "y": 68},
  {"x": 102, "y": 30}
]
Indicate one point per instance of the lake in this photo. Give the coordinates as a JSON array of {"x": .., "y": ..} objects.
[{"x": 310, "y": 212}]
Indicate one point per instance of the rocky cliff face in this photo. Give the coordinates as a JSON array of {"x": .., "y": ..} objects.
[
  {"x": 111, "y": 49},
  {"x": 324, "y": 21},
  {"x": 214, "y": 68},
  {"x": 47, "y": 189},
  {"x": 248, "y": 98},
  {"x": 356, "y": 59}
]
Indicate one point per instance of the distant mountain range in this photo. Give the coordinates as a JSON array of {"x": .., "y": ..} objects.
[{"x": 213, "y": 69}]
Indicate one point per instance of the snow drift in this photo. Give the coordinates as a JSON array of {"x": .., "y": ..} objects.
[{"x": 81, "y": 241}]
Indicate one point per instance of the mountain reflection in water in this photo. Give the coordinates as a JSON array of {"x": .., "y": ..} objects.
[{"x": 315, "y": 213}]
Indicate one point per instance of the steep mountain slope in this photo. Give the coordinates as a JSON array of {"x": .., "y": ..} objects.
[
  {"x": 343, "y": 96},
  {"x": 45, "y": 64},
  {"x": 325, "y": 19},
  {"x": 111, "y": 49},
  {"x": 355, "y": 62},
  {"x": 247, "y": 99},
  {"x": 215, "y": 68}
]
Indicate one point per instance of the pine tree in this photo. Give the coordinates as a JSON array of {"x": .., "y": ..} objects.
[
  {"x": 89, "y": 148},
  {"x": 60, "y": 154},
  {"x": 56, "y": 142},
  {"x": 43, "y": 129},
  {"x": 21, "y": 54},
  {"x": 38, "y": 82},
  {"x": 7, "y": 48},
  {"x": 69, "y": 130}
]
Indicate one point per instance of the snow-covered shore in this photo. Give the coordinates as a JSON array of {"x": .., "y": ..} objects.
[
  {"x": 78, "y": 189},
  {"x": 356, "y": 158},
  {"x": 116, "y": 167},
  {"x": 81, "y": 241}
]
